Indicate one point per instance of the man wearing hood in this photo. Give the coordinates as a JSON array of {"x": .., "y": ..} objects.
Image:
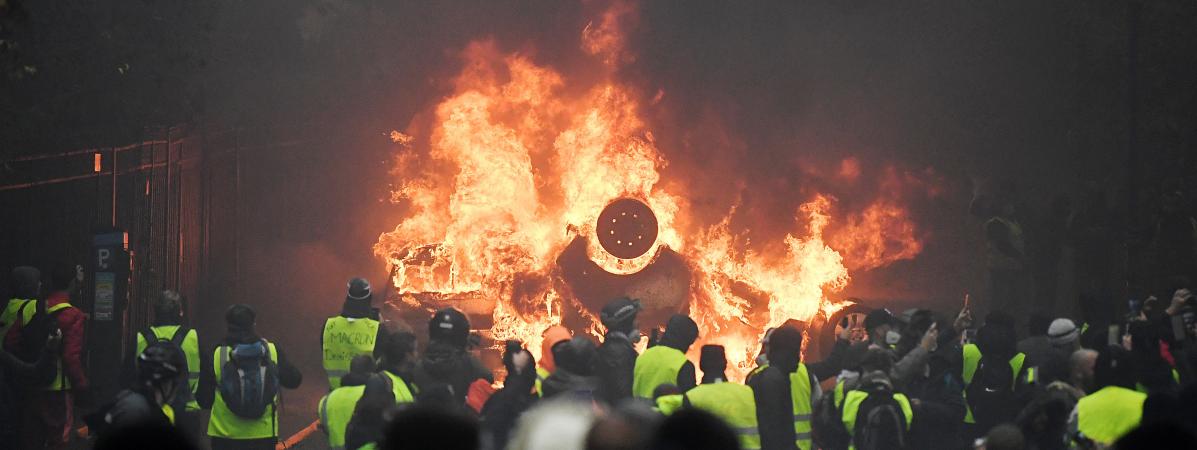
[
  {"x": 50, "y": 412},
  {"x": 383, "y": 391},
  {"x": 227, "y": 430},
  {"x": 575, "y": 369},
  {"x": 617, "y": 354},
  {"x": 356, "y": 331},
  {"x": 148, "y": 401},
  {"x": 520, "y": 391},
  {"x": 447, "y": 370},
  {"x": 996, "y": 378},
  {"x": 666, "y": 363},
  {"x": 545, "y": 367},
  {"x": 785, "y": 393}
]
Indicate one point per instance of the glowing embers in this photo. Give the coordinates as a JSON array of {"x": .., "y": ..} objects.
[{"x": 626, "y": 234}]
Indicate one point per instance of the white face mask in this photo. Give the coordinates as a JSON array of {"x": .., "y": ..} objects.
[{"x": 892, "y": 337}]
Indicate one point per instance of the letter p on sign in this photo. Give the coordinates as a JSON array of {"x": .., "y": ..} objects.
[{"x": 103, "y": 256}]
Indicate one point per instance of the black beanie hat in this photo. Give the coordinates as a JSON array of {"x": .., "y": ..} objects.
[
  {"x": 785, "y": 343},
  {"x": 576, "y": 355},
  {"x": 878, "y": 317},
  {"x": 619, "y": 314},
  {"x": 680, "y": 332},
  {"x": 24, "y": 283},
  {"x": 240, "y": 316},
  {"x": 712, "y": 359}
]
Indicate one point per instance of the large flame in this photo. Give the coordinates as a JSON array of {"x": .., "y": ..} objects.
[{"x": 511, "y": 167}]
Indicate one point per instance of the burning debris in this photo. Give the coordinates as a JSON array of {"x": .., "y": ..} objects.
[{"x": 519, "y": 172}]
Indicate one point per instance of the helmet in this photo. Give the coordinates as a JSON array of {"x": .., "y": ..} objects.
[
  {"x": 620, "y": 311},
  {"x": 449, "y": 325},
  {"x": 159, "y": 362},
  {"x": 359, "y": 289}
]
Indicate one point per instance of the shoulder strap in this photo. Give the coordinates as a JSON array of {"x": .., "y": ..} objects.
[
  {"x": 387, "y": 379},
  {"x": 21, "y": 312},
  {"x": 180, "y": 335},
  {"x": 58, "y": 307},
  {"x": 150, "y": 336}
]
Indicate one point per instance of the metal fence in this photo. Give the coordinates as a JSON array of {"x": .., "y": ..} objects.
[{"x": 162, "y": 191}]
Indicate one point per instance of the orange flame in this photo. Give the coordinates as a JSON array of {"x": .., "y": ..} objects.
[{"x": 504, "y": 173}]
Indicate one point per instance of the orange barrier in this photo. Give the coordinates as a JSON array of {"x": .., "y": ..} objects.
[
  {"x": 292, "y": 441},
  {"x": 298, "y": 437}
]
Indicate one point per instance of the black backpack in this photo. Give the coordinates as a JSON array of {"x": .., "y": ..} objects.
[
  {"x": 184, "y": 394},
  {"x": 880, "y": 422},
  {"x": 34, "y": 336},
  {"x": 827, "y": 425},
  {"x": 991, "y": 394},
  {"x": 248, "y": 378},
  {"x": 176, "y": 340}
]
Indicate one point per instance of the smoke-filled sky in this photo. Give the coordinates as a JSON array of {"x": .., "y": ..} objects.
[{"x": 755, "y": 101}]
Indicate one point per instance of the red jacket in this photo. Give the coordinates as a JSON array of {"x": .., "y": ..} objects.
[{"x": 71, "y": 321}]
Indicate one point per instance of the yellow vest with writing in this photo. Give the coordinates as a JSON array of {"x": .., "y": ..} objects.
[{"x": 345, "y": 338}]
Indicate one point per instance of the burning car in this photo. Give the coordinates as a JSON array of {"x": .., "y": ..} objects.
[{"x": 532, "y": 201}]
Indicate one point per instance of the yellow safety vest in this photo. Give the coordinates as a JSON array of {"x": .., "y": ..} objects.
[
  {"x": 16, "y": 312},
  {"x": 345, "y": 338},
  {"x": 224, "y": 424},
  {"x": 669, "y": 404},
  {"x": 61, "y": 382},
  {"x": 732, "y": 402},
  {"x": 656, "y": 366},
  {"x": 1108, "y": 414},
  {"x": 190, "y": 347},
  {"x": 852, "y": 401},
  {"x": 800, "y": 393},
  {"x": 755, "y": 372},
  {"x": 541, "y": 375},
  {"x": 972, "y": 358},
  {"x": 335, "y": 410},
  {"x": 400, "y": 389}
]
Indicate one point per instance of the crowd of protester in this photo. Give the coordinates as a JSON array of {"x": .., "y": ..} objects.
[
  {"x": 915, "y": 380},
  {"x": 1103, "y": 375}
]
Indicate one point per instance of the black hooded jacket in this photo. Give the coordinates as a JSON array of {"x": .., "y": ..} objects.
[
  {"x": 575, "y": 375},
  {"x": 614, "y": 368},
  {"x": 445, "y": 373}
]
